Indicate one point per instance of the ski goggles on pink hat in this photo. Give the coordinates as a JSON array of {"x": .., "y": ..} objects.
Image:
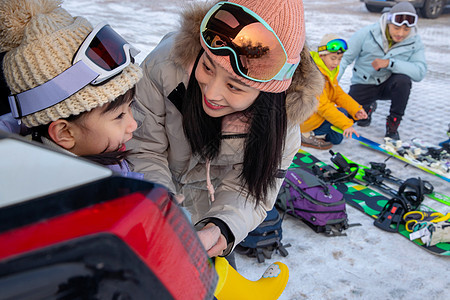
[
  {"x": 400, "y": 18},
  {"x": 102, "y": 55},
  {"x": 334, "y": 46},
  {"x": 255, "y": 51}
]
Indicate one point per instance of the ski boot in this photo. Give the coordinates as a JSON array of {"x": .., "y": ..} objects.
[
  {"x": 233, "y": 286},
  {"x": 392, "y": 124},
  {"x": 370, "y": 110}
]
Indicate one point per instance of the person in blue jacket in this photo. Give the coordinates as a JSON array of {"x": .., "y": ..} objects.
[{"x": 388, "y": 55}]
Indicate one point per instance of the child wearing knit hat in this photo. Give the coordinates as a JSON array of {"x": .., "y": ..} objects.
[
  {"x": 220, "y": 103},
  {"x": 54, "y": 94},
  {"x": 334, "y": 103}
]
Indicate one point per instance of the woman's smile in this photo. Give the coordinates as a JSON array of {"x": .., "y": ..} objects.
[{"x": 211, "y": 105}]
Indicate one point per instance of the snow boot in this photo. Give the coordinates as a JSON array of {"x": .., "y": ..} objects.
[
  {"x": 392, "y": 124},
  {"x": 369, "y": 109},
  {"x": 233, "y": 286},
  {"x": 309, "y": 139}
]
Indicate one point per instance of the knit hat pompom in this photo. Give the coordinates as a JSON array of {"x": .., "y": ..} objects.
[{"x": 15, "y": 16}]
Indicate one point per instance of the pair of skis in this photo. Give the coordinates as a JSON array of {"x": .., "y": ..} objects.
[{"x": 443, "y": 171}]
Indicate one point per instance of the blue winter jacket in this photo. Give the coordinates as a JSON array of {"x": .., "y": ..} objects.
[{"x": 406, "y": 57}]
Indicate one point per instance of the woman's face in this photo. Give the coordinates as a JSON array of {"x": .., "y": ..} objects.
[{"x": 222, "y": 94}]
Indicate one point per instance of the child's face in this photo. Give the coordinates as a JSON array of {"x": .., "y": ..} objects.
[
  {"x": 398, "y": 33},
  {"x": 222, "y": 94},
  {"x": 331, "y": 60},
  {"x": 103, "y": 131}
]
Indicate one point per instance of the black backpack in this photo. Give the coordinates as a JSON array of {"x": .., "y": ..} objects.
[{"x": 265, "y": 239}]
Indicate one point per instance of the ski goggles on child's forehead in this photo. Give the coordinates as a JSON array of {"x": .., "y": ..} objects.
[
  {"x": 105, "y": 52},
  {"x": 336, "y": 45},
  {"x": 409, "y": 19},
  {"x": 102, "y": 55},
  {"x": 255, "y": 51}
]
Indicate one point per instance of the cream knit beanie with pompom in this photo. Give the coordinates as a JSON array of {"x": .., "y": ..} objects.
[{"x": 41, "y": 39}]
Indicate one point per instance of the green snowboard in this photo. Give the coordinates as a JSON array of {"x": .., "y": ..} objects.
[{"x": 365, "y": 199}]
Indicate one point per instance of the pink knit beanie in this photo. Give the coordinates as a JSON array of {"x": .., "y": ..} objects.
[{"x": 287, "y": 20}]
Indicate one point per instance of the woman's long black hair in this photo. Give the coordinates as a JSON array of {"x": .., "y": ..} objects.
[{"x": 264, "y": 142}]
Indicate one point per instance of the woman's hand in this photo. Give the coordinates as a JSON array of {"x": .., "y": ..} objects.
[{"x": 212, "y": 240}]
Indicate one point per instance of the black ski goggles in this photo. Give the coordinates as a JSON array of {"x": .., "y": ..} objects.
[{"x": 255, "y": 51}]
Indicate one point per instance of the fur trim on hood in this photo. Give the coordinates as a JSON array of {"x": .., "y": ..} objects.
[{"x": 307, "y": 83}]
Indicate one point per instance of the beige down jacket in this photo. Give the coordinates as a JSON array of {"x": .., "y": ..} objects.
[{"x": 163, "y": 154}]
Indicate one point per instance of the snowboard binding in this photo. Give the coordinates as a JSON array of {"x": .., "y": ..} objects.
[
  {"x": 409, "y": 197},
  {"x": 391, "y": 216}
]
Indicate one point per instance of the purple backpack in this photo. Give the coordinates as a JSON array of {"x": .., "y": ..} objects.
[{"x": 315, "y": 202}]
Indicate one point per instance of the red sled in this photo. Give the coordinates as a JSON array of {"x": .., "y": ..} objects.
[{"x": 109, "y": 238}]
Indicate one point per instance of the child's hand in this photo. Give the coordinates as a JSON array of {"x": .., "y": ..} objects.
[
  {"x": 348, "y": 132},
  {"x": 212, "y": 240},
  {"x": 361, "y": 114},
  {"x": 379, "y": 63}
]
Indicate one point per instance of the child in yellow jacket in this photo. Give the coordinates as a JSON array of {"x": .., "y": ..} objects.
[{"x": 334, "y": 103}]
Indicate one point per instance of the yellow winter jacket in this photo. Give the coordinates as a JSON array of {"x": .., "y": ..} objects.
[{"x": 331, "y": 98}]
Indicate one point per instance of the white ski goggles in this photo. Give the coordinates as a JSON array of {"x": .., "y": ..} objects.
[
  {"x": 102, "y": 55},
  {"x": 400, "y": 18}
]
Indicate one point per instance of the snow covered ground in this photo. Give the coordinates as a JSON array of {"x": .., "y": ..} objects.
[{"x": 368, "y": 263}]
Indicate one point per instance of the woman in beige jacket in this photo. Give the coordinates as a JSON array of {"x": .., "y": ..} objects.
[{"x": 211, "y": 130}]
